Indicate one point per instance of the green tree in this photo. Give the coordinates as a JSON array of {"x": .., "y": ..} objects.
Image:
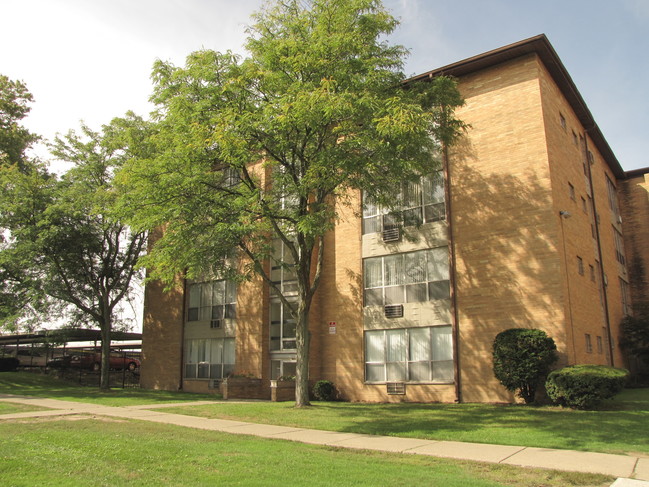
[
  {"x": 16, "y": 292},
  {"x": 316, "y": 110},
  {"x": 74, "y": 255},
  {"x": 14, "y": 106},
  {"x": 521, "y": 360},
  {"x": 635, "y": 335}
]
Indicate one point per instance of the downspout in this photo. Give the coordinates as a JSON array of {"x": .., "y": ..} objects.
[
  {"x": 182, "y": 336},
  {"x": 452, "y": 267},
  {"x": 563, "y": 215},
  {"x": 603, "y": 279}
]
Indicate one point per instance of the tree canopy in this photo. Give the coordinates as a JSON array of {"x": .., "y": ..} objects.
[
  {"x": 259, "y": 151},
  {"x": 14, "y": 106},
  {"x": 66, "y": 252}
]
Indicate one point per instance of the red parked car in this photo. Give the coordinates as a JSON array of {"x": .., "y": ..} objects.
[{"x": 93, "y": 361}]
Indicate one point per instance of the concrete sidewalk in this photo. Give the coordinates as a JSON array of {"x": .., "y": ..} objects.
[{"x": 621, "y": 466}]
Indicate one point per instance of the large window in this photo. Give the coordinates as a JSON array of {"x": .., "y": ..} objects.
[
  {"x": 282, "y": 323},
  {"x": 282, "y": 327},
  {"x": 612, "y": 197},
  {"x": 407, "y": 278},
  {"x": 282, "y": 271},
  {"x": 418, "y": 202},
  {"x": 409, "y": 354},
  {"x": 213, "y": 300},
  {"x": 619, "y": 246},
  {"x": 209, "y": 358},
  {"x": 625, "y": 294}
]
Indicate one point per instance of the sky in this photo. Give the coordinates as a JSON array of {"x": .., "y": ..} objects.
[{"x": 91, "y": 60}]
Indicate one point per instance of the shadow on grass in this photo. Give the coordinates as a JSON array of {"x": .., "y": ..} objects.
[{"x": 619, "y": 426}]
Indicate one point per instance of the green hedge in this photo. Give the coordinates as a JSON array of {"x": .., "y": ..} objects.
[{"x": 585, "y": 386}]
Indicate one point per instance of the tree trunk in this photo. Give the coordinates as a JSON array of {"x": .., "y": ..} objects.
[
  {"x": 303, "y": 339},
  {"x": 106, "y": 325}
]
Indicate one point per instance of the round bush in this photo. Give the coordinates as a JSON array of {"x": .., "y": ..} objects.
[
  {"x": 585, "y": 386},
  {"x": 324, "y": 390},
  {"x": 522, "y": 358}
]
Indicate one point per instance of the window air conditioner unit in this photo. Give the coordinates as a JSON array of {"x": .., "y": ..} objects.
[
  {"x": 619, "y": 219},
  {"x": 215, "y": 324},
  {"x": 391, "y": 234},
  {"x": 393, "y": 310},
  {"x": 396, "y": 388}
]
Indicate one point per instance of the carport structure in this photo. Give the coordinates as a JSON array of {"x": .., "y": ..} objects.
[{"x": 41, "y": 346}]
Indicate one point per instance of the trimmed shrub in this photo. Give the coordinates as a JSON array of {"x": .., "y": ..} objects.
[
  {"x": 522, "y": 359},
  {"x": 9, "y": 364},
  {"x": 324, "y": 390},
  {"x": 585, "y": 386}
]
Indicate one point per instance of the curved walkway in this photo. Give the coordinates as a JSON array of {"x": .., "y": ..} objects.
[{"x": 621, "y": 466}]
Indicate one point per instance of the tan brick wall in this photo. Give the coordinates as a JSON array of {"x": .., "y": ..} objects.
[
  {"x": 340, "y": 298},
  {"x": 162, "y": 337},
  {"x": 252, "y": 339},
  {"x": 635, "y": 221},
  {"x": 584, "y": 308},
  {"x": 505, "y": 230}
]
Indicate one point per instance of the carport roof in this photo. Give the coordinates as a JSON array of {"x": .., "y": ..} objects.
[{"x": 65, "y": 336}]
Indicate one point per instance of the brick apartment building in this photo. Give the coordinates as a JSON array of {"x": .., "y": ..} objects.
[{"x": 532, "y": 224}]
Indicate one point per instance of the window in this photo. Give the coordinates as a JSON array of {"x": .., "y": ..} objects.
[
  {"x": 407, "y": 278},
  {"x": 282, "y": 323},
  {"x": 282, "y": 271},
  {"x": 591, "y": 214},
  {"x": 612, "y": 198},
  {"x": 589, "y": 345},
  {"x": 282, "y": 368},
  {"x": 619, "y": 246},
  {"x": 562, "y": 120},
  {"x": 209, "y": 358},
  {"x": 584, "y": 206},
  {"x": 575, "y": 140},
  {"x": 600, "y": 345},
  {"x": 409, "y": 354},
  {"x": 231, "y": 177},
  {"x": 282, "y": 327},
  {"x": 580, "y": 265},
  {"x": 418, "y": 202},
  {"x": 213, "y": 300},
  {"x": 626, "y": 302},
  {"x": 592, "y": 272},
  {"x": 571, "y": 190}
]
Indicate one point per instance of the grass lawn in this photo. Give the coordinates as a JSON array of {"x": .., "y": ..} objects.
[
  {"x": 112, "y": 452},
  {"x": 41, "y": 385},
  {"x": 14, "y": 407},
  {"x": 620, "y": 426}
]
